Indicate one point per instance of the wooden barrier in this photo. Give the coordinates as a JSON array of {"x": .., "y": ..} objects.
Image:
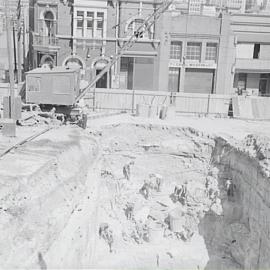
[
  {"x": 257, "y": 108},
  {"x": 126, "y": 100},
  {"x": 202, "y": 103},
  {"x": 112, "y": 99}
]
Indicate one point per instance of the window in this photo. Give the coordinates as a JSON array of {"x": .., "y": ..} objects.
[
  {"x": 80, "y": 19},
  {"x": 176, "y": 50},
  {"x": 256, "y": 52},
  {"x": 33, "y": 83},
  {"x": 174, "y": 78},
  {"x": 90, "y": 24},
  {"x": 133, "y": 27},
  {"x": 211, "y": 52},
  {"x": 100, "y": 23},
  {"x": 193, "y": 51},
  {"x": 49, "y": 23}
]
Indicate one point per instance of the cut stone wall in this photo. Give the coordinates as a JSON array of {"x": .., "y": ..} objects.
[{"x": 251, "y": 208}]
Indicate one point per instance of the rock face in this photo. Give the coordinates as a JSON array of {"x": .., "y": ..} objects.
[{"x": 247, "y": 214}]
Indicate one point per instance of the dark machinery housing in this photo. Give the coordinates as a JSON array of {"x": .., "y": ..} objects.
[{"x": 55, "y": 88}]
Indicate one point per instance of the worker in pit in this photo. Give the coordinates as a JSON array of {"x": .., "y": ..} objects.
[
  {"x": 155, "y": 180},
  {"x": 110, "y": 240},
  {"x": 180, "y": 193},
  {"x": 145, "y": 190},
  {"x": 230, "y": 187},
  {"x": 106, "y": 234},
  {"x": 129, "y": 210},
  {"x": 84, "y": 120},
  {"x": 126, "y": 170}
]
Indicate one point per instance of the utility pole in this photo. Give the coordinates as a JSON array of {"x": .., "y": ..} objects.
[
  {"x": 14, "y": 49},
  {"x": 11, "y": 71},
  {"x": 19, "y": 45},
  {"x": 25, "y": 65}
]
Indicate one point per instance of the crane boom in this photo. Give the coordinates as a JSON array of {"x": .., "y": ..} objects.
[{"x": 144, "y": 27}]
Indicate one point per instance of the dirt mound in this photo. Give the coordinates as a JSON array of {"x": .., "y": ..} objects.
[{"x": 36, "y": 204}]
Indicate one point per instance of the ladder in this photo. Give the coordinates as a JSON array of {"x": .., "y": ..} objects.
[{"x": 144, "y": 27}]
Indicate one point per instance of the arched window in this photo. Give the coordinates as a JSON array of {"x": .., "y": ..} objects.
[
  {"x": 47, "y": 61},
  {"x": 134, "y": 25},
  {"x": 74, "y": 62},
  {"x": 49, "y": 22}
]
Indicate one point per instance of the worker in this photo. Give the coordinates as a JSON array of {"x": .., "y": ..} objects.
[
  {"x": 156, "y": 183},
  {"x": 176, "y": 191},
  {"x": 102, "y": 228},
  {"x": 180, "y": 193},
  {"x": 145, "y": 190},
  {"x": 126, "y": 170},
  {"x": 145, "y": 233},
  {"x": 110, "y": 239},
  {"x": 230, "y": 187},
  {"x": 183, "y": 194},
  {"x": 106, "y": 234},
  {"x": 41, "y": 262},
  {"x": 84, "y": 120},
  {"x": 129, "y": 210}
]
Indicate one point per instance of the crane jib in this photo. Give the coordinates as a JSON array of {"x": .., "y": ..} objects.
[{"x": 145, "y": 26}]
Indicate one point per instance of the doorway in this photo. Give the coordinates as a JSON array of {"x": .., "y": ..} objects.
[
  {"x": 102, "y": 82},
  {"x": 126, "y": 73},
  {"x": 264, "y": 85}
]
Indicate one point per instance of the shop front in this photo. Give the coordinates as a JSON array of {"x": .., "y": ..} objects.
[{"x": 253, "y": 83}]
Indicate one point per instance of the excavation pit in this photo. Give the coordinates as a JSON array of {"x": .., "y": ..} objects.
[
  {"x": 214, "y": 231},
  {"x": 51, "y": 213}
]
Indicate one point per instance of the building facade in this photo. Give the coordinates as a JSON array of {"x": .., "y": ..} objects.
[
  {"x": 50, "y": 31},
  {"x": 192, "y": 57},
  {"x": 179, "y": 53},
  {"x": 88, "y": 33},
  {"x": 251, "y": 68}
]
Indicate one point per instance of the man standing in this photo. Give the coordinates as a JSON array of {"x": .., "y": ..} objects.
[{"x": 230, "y": 187}]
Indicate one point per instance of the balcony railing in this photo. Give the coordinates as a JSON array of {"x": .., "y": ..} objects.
[{"x": 45, "y": 40}]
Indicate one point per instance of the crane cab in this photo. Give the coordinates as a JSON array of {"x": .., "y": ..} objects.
[{"x": 57, "y": 86}]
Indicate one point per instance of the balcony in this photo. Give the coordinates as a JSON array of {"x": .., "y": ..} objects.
[
  {"x": 46, "y": 43},
  {"x": 45, "y": 40},
  {"x": 252, "y": 65}
]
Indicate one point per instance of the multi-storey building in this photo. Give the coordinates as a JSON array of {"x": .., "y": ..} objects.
[
  {"x": 88, "y": 33},
  {"x": 251, "y": 66},
  {"x": 180, "y": 52},
  {"x": 192, "y": 57},
  {"x": 51, "y": 31}
]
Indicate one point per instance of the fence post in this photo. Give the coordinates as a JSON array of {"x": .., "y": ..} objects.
[
  {"x": 208, "y": 103},
  {"x": 133, "y": 102},
  {"x": 94, "y": 99}
]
